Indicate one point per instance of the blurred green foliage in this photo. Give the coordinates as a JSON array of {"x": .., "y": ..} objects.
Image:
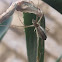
[
  {"x": 58, "y": 60},
  {"x": 3, "y": 29},
  {"x": 57, "y": 4}
]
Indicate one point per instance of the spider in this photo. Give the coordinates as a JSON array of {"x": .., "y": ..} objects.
[{"x": 26, "y": 7}]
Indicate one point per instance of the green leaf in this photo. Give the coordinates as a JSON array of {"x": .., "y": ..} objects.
[
  {"x": 3, "y": 29},
  {"x": 57, "y": 4},
  {"x": 31, "y": 39}
]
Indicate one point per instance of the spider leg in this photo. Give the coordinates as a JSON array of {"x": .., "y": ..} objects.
[
  {"x": 40, "y": 19},
  {"x": 22, "y": 26},
  {"x": 47, "y": 29},
  {"x": 37, "y": 43},
  {"x": 20, "y": 19}
]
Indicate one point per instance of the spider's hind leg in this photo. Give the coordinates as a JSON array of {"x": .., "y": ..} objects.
[{"x": 37, "y": 43}]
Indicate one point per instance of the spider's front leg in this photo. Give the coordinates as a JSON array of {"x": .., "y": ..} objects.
[{"x": 24, "y": 6}]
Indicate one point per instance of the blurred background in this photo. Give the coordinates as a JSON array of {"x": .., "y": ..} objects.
[{"x": 13, "y": 45}]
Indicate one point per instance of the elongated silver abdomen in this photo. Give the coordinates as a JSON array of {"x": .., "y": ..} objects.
[{"x": 41, "y": 32}]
